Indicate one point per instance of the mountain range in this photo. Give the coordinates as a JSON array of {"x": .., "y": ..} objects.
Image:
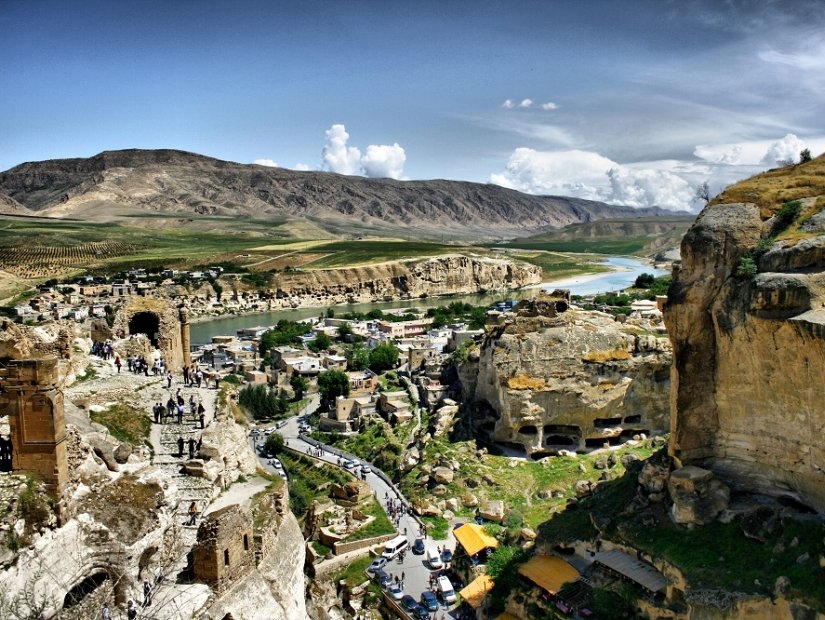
[{"x": 167, "y": 185}]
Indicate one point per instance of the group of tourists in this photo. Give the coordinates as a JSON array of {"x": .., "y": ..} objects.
[
  {"x": 395, "y": 509},
  {"x": 103, "y": 349},
  {"x": 194, "y": 376},
  {"x": 175, "y": 408},
  {"x": 194, "y": 446}
]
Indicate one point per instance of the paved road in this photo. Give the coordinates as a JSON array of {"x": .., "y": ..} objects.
[{"x": 413, "y": 567}]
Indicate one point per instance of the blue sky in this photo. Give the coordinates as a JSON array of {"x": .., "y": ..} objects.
[{"x": 628, "y": 102}]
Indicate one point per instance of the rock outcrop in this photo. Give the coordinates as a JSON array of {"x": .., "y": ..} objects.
[
  {"x": 572, "y": 381},
  {"x": 748, "y": 352}
]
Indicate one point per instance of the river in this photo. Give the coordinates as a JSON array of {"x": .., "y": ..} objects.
[{"x": 625, "y": 271}]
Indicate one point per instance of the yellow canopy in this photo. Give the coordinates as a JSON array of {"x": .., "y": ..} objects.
[
  {"x": 548, "y": 572},
  {"x": 506, "y": 616},
  {"x": 473, "y": 538},
  {"x": 473, "y": 594}
]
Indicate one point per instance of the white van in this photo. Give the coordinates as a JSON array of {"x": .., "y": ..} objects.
[
  {"x": 445, "y": 588},
  {"x": 395, "y": 546},
  {"x": 434, "y": 559}
]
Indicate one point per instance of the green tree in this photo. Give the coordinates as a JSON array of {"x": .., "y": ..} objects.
[
  {"x": 804, "y": 156},
  {"x": 384, "y": 357},
  {"x": 358, "y": 358},
  {"x": 299, "y": 385},
  {"x": 332, "y": 384},
  {"x": 274, "y": 444},
  {"x": 344, "y": 330},
  {"x": 322, "y": 342}
]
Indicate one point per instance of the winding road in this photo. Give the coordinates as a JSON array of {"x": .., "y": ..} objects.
[{"x": 413, "y": 568}]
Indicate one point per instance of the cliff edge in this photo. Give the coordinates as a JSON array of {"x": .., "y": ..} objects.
[{"x": 746, "y": 318}]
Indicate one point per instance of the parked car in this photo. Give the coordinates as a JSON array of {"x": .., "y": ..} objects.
[
  {"x": 446, "y": 555},
  {"x": 418, "y": 546},
  {"x": 395, "y": 591},
  {"x": 377, "y": 564},
  {"x": 408, "y": 602},
  {"x": 382, "y": 578},
  {"x": 420, "y": 613},
  {"x": 429, "y": 601},
  {"x": 281, "y": 424}
]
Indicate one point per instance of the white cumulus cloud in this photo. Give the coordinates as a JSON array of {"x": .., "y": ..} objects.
[
  {"x": 266, "y": 162},
  {"x": 302, "y": 167},
  {"x": 526, "y": 103},
  {"x": 648, "y": 188},
  {"x": 379, "y": 161},
  {"x": 508, "y": 104},
  {"x": 384, "y": 161},
  {"x": 549, "y": 105},
  {"x": 338, "y": 157},
  {"x": 585, "y": 174},
  {"x": 784, "y": 150}
]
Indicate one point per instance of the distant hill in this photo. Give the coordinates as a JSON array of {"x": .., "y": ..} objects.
[{"x": 171, "y": 184}]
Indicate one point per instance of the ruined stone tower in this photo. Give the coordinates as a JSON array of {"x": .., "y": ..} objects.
[{"x": 34, "y": 405}]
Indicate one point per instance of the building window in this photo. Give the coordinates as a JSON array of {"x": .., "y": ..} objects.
[
  {"x": 226, "y": 557},
  {"x": 246, "y": 542}
]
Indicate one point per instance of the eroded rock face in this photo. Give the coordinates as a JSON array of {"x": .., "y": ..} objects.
[
  {"x": 748, "y": 357},
  {"x": 403, "y": 279},
  {"x": 698, "y": 497},
  {"x": 570, "y": 382}
]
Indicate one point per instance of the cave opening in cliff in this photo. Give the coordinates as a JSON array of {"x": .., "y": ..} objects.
[
  {"x": 84, "y": 588},
  {"x": 529, "y": 430},
  {"x": 633, "y": 419},
  {"x": 605, "y": 422},
  {"x": 599, "y": 442},
  {"x": 795, "y": 504},
  {"x": 629, "y": 433},
  {"x": 540, "y": 454},
  {"x": 146, "y": 323},
  {"x": 561, "y": 440}
]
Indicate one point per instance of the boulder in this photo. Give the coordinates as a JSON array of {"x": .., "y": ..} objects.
[
  {"x": 698, "y": 496},
  {"x": 528, "y": 533},
  {"x": 443, "y": 475},
  {"x": 469, "y": 500},
  {"x": 439, "y": 490},
  {"x": 492, "y": 510},
  {"x": 583, "y": 487},
  {"x": 653, "y": 477},
  {"x": 104, "y": 451},
  {"x": 760, "y": 523},
  {"x": 452, "y": 504},
  {"x": 123, "y": 452}
]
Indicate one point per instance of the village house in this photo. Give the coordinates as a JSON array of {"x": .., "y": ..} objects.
[
  {"x": 349, "y": 414},
  {"x": 362, "y": 381},
  {"x": 404, "y": 329},
  {"x": 394, "y": 406}
]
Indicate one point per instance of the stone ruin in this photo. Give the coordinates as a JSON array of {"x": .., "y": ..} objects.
[
  {"x": 546, "y": 304},
  {"x": 29, "y": 396},
  {"x": 224, "y": 551},
  {"x": 165, "y": 326}
]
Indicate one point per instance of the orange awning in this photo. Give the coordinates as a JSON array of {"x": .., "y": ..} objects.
[
  {"x": 473, "y": 594},
  {"x": 548, "y": 572},
  {"x": 474, "y": 538}
]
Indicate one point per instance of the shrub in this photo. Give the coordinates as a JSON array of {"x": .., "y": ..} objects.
[
  {"x": 786, "y": 216},
  {"x": 746, "y": 268}
]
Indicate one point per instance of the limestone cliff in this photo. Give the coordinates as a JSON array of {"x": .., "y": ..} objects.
[
  {"x": 749, "y": 344},
  {"x": 440, "y": 275},
  {"x": 573, "y": 381}
]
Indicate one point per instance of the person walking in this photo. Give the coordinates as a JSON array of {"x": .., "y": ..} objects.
[
  {"x": 180, "y": 446},
  {"x": 147, "y": 593},
  {"x": 191, "y": 447},
  {"x": 169, "y": 379},
  {"x": 106, "y": 614},
  {"x": 118, "y": 363},
  {"x": 131, "y": 610},
  {"x": 193, "y": 513}
]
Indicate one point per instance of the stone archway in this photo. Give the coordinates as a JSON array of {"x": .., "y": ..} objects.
[
  {"x": 161, "y": 322},
  {"x": 146, "y": 323}
]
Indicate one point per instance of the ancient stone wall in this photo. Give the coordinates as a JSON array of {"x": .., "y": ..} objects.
[
  {"x": 34, "y": 406},
  {"x": 160, "y": 321},
  {"x": 224, "y": 550}
]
